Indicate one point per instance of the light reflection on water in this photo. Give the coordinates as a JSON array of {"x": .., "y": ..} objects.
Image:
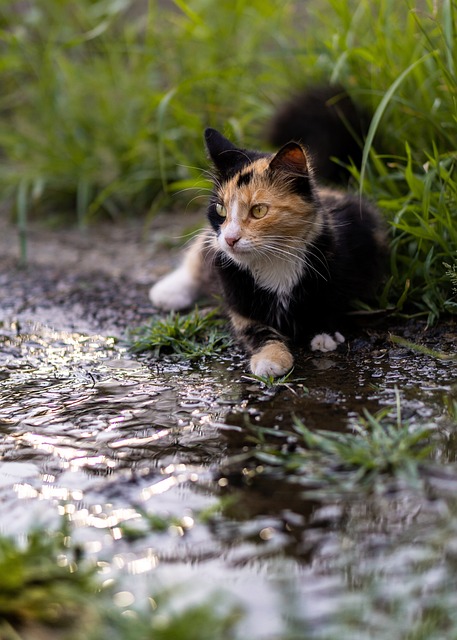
[{"x": 109, "y": 441}]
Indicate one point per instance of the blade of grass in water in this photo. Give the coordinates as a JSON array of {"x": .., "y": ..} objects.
[{"x": 419, "y": 348}]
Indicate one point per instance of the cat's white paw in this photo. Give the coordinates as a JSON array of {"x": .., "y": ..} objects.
[
  {"x": 273, "y": 360},
  {"x": 325, "y": 342},
  {"x": 174, "y": 292}
]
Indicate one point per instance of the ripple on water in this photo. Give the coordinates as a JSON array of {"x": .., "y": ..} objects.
[{"x": 127, "y": 450}]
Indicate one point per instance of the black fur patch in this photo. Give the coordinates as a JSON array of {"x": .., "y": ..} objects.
[
  {"x": 329, "y": 125},
  {"x": 244, "y": 178}
]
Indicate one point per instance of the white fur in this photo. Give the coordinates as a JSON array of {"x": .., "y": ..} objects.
[
  {"x": 277, "y": 275},
  {"x": 325, "y": 342},
  {"x": 178, "y": 290},
  {"x": 274, "y": 274}
]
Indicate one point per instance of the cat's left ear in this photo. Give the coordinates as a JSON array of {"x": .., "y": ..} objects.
[
  {"x": 222, "y": 152},
  {"x": 290, "y": 158}
]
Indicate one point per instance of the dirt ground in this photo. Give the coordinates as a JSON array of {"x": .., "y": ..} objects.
[{"x": 95, "y": 279}]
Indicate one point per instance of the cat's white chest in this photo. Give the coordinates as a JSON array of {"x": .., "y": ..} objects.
[{"x": 279, "y": 276}]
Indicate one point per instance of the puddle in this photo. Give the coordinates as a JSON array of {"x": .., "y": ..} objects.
[{"x": 131, "y": 451}]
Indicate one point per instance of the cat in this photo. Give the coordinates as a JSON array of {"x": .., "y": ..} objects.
[{"x": 290, "y": 256}]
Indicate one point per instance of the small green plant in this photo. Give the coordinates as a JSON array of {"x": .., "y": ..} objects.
[
  {"x": 41, "y": 583},
  {"x": 46, "y": 592},
  {"x": 270, "y": 382},
  {"x": 376, "y": 447},
  {"x": 451, "y": 271},
  {"x": 420, "y": 348},
  {"x": 192, "y": 335}
]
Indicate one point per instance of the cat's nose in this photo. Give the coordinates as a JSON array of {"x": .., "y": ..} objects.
[{"x": 231, "y": 240}]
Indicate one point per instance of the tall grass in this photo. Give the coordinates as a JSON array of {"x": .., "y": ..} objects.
[
  {"x": 399, "y": 60},
  {"x": 105, "y": 101},
  {"x": 103, "y": 104}
]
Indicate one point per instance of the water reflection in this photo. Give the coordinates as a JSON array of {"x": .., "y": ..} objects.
[{"x": 130, "y": 452}]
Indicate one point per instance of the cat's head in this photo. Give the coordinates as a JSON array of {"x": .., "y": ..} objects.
[{"x": 263, "y": 205}]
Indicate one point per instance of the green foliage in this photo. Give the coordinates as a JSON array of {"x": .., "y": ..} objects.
[
  {"x": 40, "y": 583},
  {"x": 376, "y": 447},
  {"x": 192, "y": 335},
  {"x": 451, "y": 271},
  {"x": 104, "y": 106},
  {"x": 400, "y": 62},
  {"x": 45, "y": 592}
]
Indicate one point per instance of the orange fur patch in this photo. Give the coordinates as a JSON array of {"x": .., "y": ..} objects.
[{"x": 274, "y": 359}]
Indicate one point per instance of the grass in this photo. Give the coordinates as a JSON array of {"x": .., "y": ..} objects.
[
  {"x": 272, "y": 383},
  {"x": 103, "y": 107},
  {"x": 45, "y": 591},
  {"x": 42, "y": 585},
  {"x": 420, "y": 348},
  {"x": 191, "y": 336},
  {"x": 377, "y": 448}
]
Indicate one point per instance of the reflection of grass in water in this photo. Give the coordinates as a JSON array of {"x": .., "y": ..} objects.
[
  {"x": 47, "y": 592},
  {"x": 192, "y": 335},
  {"x": 405, "y": 589}
]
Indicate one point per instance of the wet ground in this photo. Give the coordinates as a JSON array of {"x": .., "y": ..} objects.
[{"x": 155, "y": 462}]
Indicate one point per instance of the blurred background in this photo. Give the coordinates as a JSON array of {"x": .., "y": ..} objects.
[{"x": 103, "y": 104}]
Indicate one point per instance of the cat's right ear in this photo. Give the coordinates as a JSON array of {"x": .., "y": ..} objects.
[
  {"x": 291, "y": 158},
  {"x": 222, "y": 152}
]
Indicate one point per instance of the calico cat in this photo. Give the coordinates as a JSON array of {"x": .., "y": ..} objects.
[{"x": 290, "y": 256}]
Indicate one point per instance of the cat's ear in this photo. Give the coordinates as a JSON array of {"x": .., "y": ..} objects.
[
  {"x": 222, "y": 152},
  {"x": 290, "y": 158}
]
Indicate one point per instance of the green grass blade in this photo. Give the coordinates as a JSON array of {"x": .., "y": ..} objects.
[{"x": 379, "y": 113}]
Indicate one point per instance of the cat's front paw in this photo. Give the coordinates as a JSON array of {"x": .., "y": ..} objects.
[
  {"x": 325, "y": 342},
  {"x": 274, "y": 359},
  {"x": 174, "y": 292}
]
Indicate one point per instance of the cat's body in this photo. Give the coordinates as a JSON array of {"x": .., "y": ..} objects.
[{"x": 290, "y": 256}]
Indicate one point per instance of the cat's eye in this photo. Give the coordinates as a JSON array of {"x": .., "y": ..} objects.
[
  {"x": 259, "y": 211},
  {"x": 221, "y": 210}
]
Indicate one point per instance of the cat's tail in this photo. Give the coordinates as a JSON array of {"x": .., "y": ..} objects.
[{"x": 329, "y": 125}]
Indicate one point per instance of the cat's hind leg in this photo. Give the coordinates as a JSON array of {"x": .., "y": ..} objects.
[{"x": 181, "y": 288}]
